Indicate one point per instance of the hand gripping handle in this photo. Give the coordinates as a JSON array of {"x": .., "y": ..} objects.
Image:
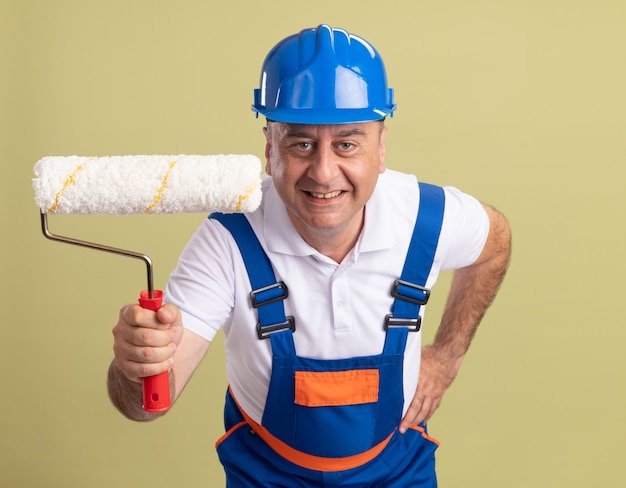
[{"x": 156, "y": 389}]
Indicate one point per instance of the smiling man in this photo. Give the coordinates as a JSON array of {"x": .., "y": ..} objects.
[
  {"x": 320, "y": 292},
  {"x": 325, "y": 174}
]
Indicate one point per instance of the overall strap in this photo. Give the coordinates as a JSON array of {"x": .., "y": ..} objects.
[
  {"x": 410, "y": 290},
  {"x": 267, "y": 293}
]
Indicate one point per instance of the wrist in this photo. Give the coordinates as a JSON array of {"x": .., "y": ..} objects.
[{"x": 127, "y": 395}]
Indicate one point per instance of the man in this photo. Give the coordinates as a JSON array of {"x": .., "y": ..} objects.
[{"x": 320, "y": 292}]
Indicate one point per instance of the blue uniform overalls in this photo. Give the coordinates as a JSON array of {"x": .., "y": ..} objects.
[{"x": 332, "y": 422}]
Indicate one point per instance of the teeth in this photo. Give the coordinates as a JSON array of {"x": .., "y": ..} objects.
[{"x": 332, "y": 194}]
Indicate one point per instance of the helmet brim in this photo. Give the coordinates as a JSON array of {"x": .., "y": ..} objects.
[{"x": 325, "y": 117}]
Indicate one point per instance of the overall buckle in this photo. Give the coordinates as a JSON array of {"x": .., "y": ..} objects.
[
  {"x": 413, "y": 325},
  {"x": 267, "y": 331},
  {"x": 410, "y": 292},
  {"x": 268, "y": 294}
]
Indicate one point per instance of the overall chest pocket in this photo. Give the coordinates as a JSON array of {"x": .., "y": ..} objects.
[{"x": 335, "y": 411}]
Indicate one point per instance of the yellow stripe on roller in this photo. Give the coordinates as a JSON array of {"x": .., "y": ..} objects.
[
  {"x": 244, "y": 197},
  {"x": 69, "y": 181},
  {"x": 159, "y": 194}
]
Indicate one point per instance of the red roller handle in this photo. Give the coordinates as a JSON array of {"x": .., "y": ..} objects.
[{"x": 156, "y": 389}]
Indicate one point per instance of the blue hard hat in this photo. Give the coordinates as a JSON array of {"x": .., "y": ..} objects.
[{"x": 323, "y": 76}]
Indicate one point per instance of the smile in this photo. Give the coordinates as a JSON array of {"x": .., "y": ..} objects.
[{"x": 325, "y": 196}]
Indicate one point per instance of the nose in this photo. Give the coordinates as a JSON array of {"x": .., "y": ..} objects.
[{"x": 323, "y": 167}]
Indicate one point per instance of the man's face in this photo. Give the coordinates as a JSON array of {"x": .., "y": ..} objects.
[{"x": 325, "y": 173}]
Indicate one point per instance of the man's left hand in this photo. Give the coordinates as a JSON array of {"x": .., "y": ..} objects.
[{"x": 436, "y": 375}]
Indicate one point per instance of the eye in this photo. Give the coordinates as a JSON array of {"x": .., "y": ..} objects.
[
  {"x": 345, "y": 146},
  {"x": 301, "y": 146}
]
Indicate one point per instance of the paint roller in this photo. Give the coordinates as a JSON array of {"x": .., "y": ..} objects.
[{"x": 123, "y": 185}]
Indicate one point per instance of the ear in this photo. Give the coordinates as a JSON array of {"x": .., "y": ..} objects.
[
  {"x": 382, "y": 151},
  {"x": 268, "y": 147}
]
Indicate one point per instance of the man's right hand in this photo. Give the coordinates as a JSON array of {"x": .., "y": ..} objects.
[{"x": 144, "y": 342}]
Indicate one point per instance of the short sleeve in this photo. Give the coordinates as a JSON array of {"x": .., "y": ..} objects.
[
  {"x": 201, "y": 285},
  {"x": 464, "y": 230}
]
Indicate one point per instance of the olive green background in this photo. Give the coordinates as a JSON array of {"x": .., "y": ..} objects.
[{"x": 520, "y": 103}]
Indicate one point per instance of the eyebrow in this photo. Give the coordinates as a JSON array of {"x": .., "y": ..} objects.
[
  {"x": 352, "y": 132},
  {"x": 297, "y": 133}
]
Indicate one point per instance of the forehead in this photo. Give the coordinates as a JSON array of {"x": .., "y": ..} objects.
[{"x": 362, "y": 129}]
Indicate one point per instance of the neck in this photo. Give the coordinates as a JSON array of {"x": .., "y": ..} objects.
[{"x": 333, "y": 243}]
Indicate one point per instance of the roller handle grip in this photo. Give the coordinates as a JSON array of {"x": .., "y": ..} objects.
[{"x": 156, "y": 389}]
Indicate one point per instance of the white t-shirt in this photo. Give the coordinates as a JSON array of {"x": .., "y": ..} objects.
[{"x": 338, "y": 308}]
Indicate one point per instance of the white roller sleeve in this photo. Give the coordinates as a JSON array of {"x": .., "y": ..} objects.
[{"x": 118, "y": 185}]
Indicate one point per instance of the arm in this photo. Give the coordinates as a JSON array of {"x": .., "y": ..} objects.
[
  {"x": 147, "y": 343},
  {"x": 472, "y": 292}
]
